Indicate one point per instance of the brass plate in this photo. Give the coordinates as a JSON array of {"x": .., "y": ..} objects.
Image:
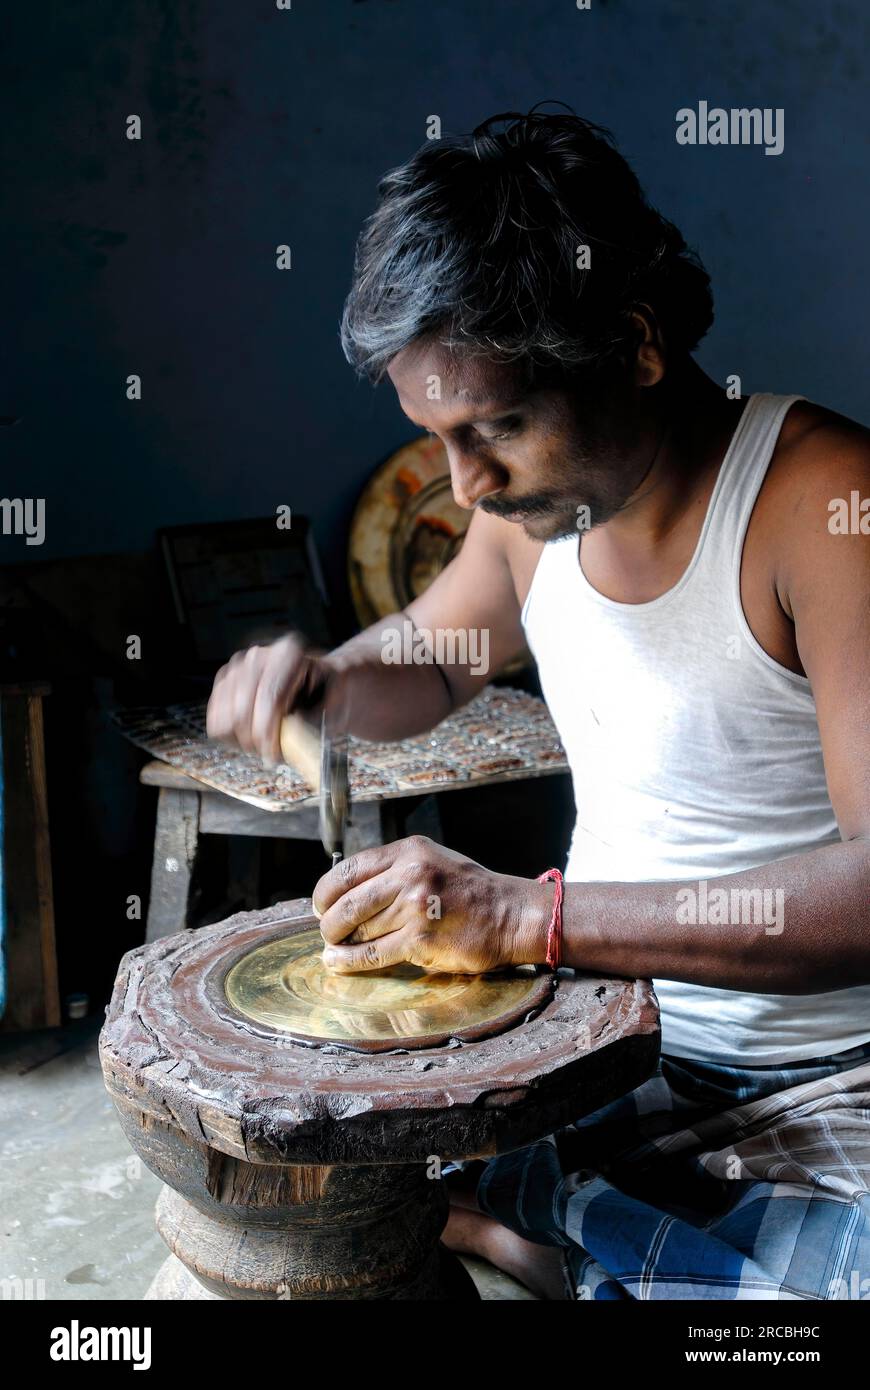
[{"x": 285, "y": 986}]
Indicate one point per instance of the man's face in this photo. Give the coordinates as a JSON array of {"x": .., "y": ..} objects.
[{"x": 533, "y": 457}]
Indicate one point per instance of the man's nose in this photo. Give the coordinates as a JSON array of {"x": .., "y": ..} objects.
[{"x": 472, "y": 478}]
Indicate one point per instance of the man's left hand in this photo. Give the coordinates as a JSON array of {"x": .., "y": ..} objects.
[{"x": 416, "y": 901}]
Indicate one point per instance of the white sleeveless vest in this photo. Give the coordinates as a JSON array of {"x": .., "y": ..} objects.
[{"x": 694, "y": 754}]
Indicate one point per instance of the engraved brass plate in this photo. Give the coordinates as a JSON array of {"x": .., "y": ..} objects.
[{"x": 284, "y": 985}]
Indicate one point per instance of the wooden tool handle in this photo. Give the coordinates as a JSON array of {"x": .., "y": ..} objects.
[{"x": 300, "y": 747}]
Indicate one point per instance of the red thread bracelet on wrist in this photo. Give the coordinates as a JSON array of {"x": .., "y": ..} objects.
[{"x": 554, "y": 931}]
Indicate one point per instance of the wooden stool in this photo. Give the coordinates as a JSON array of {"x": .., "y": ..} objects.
[{"x": 307, "y": 1167}]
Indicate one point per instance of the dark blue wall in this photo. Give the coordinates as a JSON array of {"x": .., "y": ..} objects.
[{"x": 263, "y": 126}]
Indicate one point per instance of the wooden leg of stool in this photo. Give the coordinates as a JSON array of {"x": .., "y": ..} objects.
[
  {"x": 309, "y": 1233},
  {"x": 364, "y": 829},
  {"x": 425, "y": 819},
  {"x": 243, "y": 872},
  {"x": 175, "y": 841}
]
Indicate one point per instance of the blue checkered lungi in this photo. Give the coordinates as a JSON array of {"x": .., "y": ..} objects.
[{"x": 706, "y": 1182}]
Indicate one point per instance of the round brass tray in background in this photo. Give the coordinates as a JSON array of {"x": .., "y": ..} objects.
[
  {"x": 406, "y": 528},
  {"x": 284, "y": 986}
]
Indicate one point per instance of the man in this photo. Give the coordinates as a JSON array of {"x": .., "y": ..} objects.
[{"x": 700, "y": 614}]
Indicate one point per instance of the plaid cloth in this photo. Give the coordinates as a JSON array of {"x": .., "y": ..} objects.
[{"x": 706, "y": 1182}]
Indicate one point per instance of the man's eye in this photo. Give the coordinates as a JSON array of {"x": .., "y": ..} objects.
[{"x": 503, "y": 434}]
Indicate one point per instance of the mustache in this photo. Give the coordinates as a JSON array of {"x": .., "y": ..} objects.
[{"x": 535, "y": 504}]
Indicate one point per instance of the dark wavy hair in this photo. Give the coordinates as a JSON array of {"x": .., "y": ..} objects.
[{"x": 475, "y": 241}]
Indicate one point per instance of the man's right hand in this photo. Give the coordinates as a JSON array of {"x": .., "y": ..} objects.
[
  {"x": 257, "y": 687},
  {"x": 360, "y": 692}
]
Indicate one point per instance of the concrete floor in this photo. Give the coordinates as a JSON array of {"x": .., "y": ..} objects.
[{"x": 76, "y": 1204}]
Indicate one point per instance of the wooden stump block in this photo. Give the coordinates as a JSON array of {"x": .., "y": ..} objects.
[{"x": 296, "y": 1170}]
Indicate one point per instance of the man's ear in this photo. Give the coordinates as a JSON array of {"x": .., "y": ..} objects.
[{"x": 651, "y": 358}]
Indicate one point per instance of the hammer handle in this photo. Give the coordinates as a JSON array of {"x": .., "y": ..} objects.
[{"x": 300, "y": 747}]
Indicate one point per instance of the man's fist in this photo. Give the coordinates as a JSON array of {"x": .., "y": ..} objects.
[
  {"x": 416, "y": 901},
  {"x": 256, "y": 688}
]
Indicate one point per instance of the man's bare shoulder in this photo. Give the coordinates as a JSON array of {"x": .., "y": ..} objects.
[
  {"x": 818, "y": 447},
  {"x": 813, "y": 494},
  {"x": 820, "y": 456}
]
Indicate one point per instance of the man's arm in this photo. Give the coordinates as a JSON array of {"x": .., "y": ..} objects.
[
  {"x": 368, "y": 692},
  {"x": 374, "y": 905}
]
